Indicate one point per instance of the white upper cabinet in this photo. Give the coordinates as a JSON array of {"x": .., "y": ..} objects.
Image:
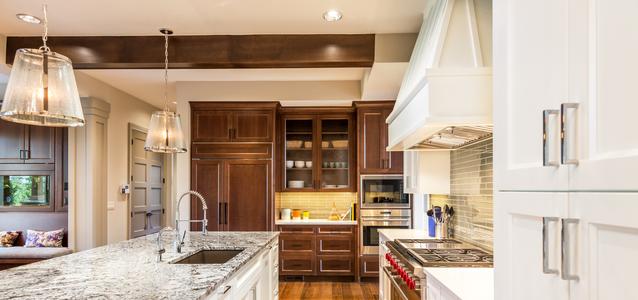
[
  {"x": 530, "y": 77},
  {"x": 602, "y": 132}
]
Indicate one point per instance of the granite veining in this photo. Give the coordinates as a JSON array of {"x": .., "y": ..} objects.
[{"x": 129, "y": 270}]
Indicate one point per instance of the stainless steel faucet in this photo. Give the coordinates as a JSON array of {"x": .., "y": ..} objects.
[
  {"x": 160, "y": 247},
  {"x": 180, "y": 241}
]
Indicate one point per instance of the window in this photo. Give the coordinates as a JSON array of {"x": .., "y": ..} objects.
[{"x": 25, "y": 190}]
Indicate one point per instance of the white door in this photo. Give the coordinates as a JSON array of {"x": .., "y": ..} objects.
[
  {"x": 602, "y": 246},
  {"x": 530, "y": 76},
  {"x": 147, "y": 181},
  {"x": 527, "y": 261},
  {"x": 603, "y": 60}
]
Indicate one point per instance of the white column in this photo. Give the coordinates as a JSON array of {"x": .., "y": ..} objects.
[{"x": 89, "y": 165}]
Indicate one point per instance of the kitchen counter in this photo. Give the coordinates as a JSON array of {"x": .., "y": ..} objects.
[
  {"x": 464, "y": 283},
  {"x": 128, "y": 269},
  {"x": 315, "y": 222}
]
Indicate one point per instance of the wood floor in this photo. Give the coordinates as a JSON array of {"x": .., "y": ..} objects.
[{"x": 290, "y": 290}]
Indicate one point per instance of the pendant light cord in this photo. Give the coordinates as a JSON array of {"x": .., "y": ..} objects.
[
  {"x": 166, "y": 71},
  {"x": 45, "y": 34}
]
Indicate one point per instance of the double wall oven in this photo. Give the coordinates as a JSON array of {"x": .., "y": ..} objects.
[{"x": 383, "y": 205}]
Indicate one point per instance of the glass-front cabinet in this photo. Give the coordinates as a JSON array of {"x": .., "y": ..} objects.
[{"x": 318, "y": 152}]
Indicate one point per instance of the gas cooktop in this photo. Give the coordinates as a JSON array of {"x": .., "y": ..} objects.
[{"x": 445, "y": 253}]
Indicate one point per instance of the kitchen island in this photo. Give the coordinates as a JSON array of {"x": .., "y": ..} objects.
[{"x": 130, "y": 270}]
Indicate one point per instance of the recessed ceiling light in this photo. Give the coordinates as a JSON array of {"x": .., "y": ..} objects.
[
  {"x": 29, "y": 18},
  {"x": 332, "y": 15}
]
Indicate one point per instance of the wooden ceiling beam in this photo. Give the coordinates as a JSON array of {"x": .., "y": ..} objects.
[{"x": 209, "y": 51}]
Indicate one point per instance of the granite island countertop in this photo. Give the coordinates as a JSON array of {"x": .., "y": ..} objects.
[{"x": 129, "y": 270}]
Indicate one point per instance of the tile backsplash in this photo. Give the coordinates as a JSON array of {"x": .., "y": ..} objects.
[
  {"x": 471, "y": 194},
  {"x": 318, "y": 204}
]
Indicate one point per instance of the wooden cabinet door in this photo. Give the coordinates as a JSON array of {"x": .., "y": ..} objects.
[
  {"x": 334, "y": 146},
  {"x": 211, "y": 126},
  {"x": 207, "y": 178},
  {"x": 521, "y": 270},
  {"x": 600, "y": 133},
  {"x": 40, "y": 144},
  {"x": 601, "y": 241},
  {"x": 252, "y": 126},
  {"x": 371, "y": 141},
  {"x": 394, "y": 159},
  {"x": 248, "y": 192},
  {"x": 530, "y": 76},
  {"x": 335, "y": 264},
  {"x": 369, "y": 265},
  {"x": 12, "y": 141}
]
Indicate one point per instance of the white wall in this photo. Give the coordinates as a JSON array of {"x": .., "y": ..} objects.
[{"x": 124, "y": 109}]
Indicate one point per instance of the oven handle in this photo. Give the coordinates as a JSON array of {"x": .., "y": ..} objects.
[
  {"x": 393, "y": 280},
  {"x": 403, "y": 220}
]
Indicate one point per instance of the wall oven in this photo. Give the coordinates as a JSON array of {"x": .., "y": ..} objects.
[
  {"x": 383, "y": 191},
  {"x": 372, "y": 220}
]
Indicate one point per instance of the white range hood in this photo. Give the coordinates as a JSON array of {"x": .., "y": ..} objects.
[{"x": 445, "y": 100}]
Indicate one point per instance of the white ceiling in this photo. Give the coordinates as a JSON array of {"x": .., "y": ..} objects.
[
  {"x": 198, "y": 17},
  {"x": 185, "y": 17},
  {"x": 148, "y": 84}
]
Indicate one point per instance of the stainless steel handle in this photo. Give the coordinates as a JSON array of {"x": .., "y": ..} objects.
[
  {"x": 546, "y": 114},
  {"x": 566, "y": 250},
  {"x": 546, "y": 269},
  {"x": 226, "y": 288},
  {"x": 564, "y": 145}
]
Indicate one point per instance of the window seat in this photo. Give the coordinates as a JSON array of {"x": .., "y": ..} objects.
[{"x": 16, "y": 256}]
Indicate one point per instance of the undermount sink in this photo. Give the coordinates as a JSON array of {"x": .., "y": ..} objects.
[{"x": 209, "y": 257}]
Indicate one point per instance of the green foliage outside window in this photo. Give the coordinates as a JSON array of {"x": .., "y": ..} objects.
[{"x": 25, "y": 190}]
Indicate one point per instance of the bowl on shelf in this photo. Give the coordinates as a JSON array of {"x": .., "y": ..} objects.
[
  {"x": 307, "y": 144},
  {"x": 309, "y": 164},
  {"x": 340, "y": 144},
  {"x": 290, "y": 164},
  {"x": 295, "y": 184},
  {"x": 299, "y": 163},
  {"x": 294, "y": 144}
]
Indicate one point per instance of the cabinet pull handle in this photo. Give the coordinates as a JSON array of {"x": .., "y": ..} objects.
[
  {"x": 225, "y": 290},
  {"x": 546, "y": 269},
  {"x": 21, "y": 155},
  {"x": 226, "y": 213},
  {"x": 219, "y": 214},
  {"x": 564, "y": 145},
  {"x": 566, "y": 250},
  {"x": 546, "y": 114}
]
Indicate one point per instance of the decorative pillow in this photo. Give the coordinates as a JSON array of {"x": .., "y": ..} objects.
[
  {"x": 44, "y": 239},
  {"x": 8, "y": 238}
]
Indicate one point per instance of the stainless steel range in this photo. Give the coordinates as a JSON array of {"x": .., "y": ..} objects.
[{"x": 407, "y": 258}]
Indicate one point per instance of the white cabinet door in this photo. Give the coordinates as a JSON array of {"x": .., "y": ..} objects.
[
  {"x": 602, "y": 59},
  {"x": 410, "y": 174},
  {"x": 530, "y": 76},
  {"x": 602, "y": 246},
  {"x": 519, "y": 245}
]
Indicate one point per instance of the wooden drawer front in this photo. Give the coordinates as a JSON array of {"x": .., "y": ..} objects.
[
  {"x": 369, "y": 265},
  {"x": 298, "y": 243},
  {"x": 231, "y": 150},
  {"x": 297, "y": 265},
  {"x": 297, "y": 229},
  {"x": 335, "y": 245},
  {"x": 335, "y": 229},
  {"x": 335, "y": 264}
]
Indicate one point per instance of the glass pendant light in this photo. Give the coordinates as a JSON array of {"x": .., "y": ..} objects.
[
  {"x": 41, "y": 90},
  {"x": 165, "y": 130}
]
